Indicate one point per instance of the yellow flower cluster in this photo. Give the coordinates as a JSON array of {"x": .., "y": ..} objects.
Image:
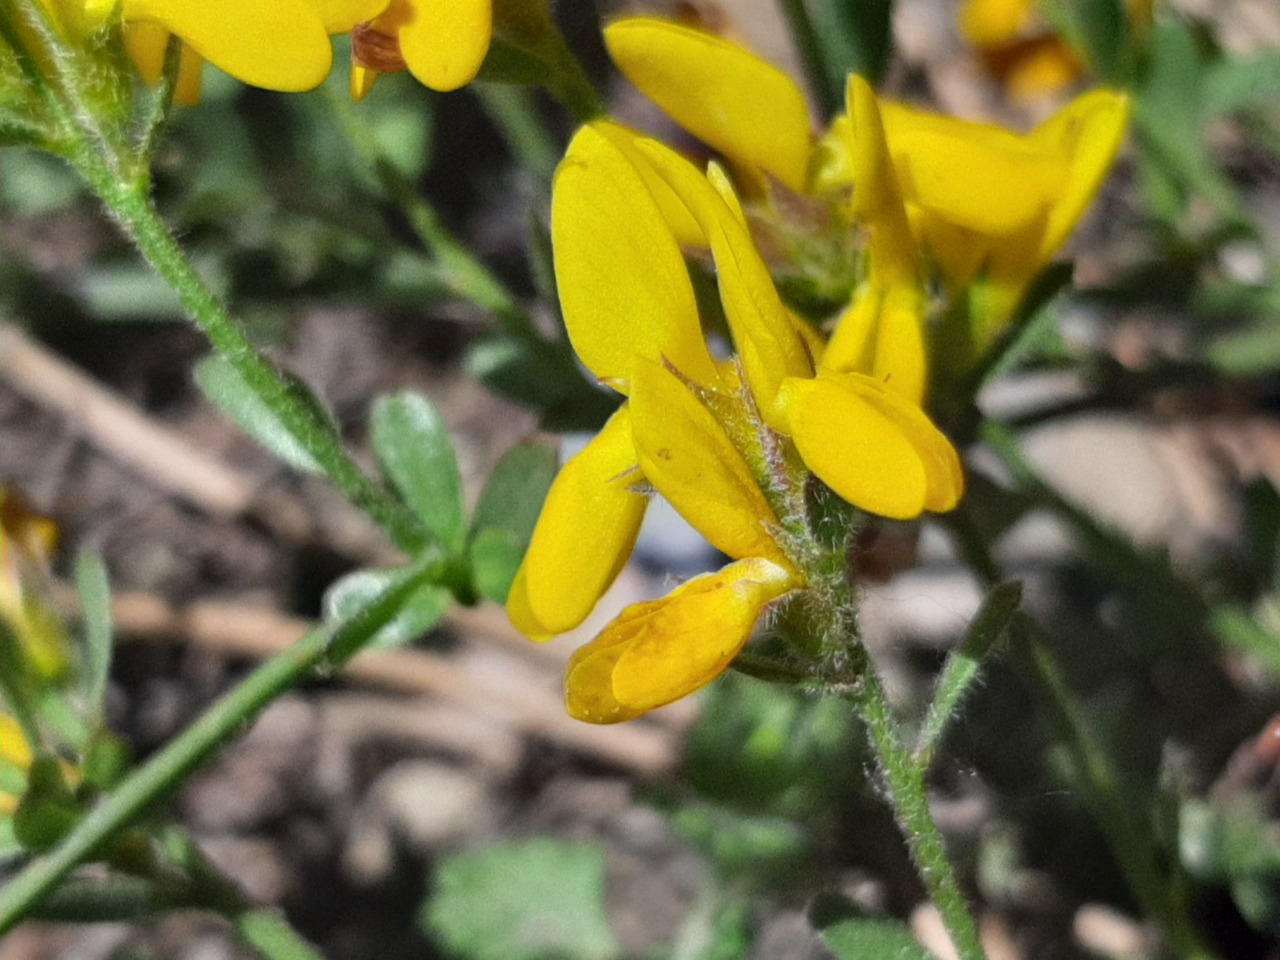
[
  {"x": 284, "y": 45},
  {"x": 729, "y": 443},
  {"x": 986, "y": 206},
  {"x": 734, "y": 444}
]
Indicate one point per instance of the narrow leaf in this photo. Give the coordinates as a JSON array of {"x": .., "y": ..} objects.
[
  {"x": 417, "y": 613},
  {"x": 417, "y": 456},
  {"x": 858, "y": 37},
  {"x": 513, "y": 495},
  {"x": 965, "y": 662},
  {"x": 95, "y": 597},
  {"x": 227, "y": 390}
]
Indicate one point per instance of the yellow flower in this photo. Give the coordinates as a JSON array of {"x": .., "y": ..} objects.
[
  {"x": 725, "y": 442},
  {"x": 15, "y": 751},
  {"x": 991, "y": 207},
  {"x": 738, "y": 103},
  {"x": 1017, "y": 47},
  {"x": 1020, "y": 49},
  {"x": 981, "y": 201},
  {"x": 27, "y": 542},
  {"x": 281, "y": 45},
  {"x": 441, "y": 42}
]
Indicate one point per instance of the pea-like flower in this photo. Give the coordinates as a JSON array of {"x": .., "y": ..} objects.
[
  {"x": 441, "y": 42},
  {"x": 731, "y": 444},
  {"x": 282, "y": 45},
  {"x": 1020, "y": 48},
  {"x": 984, "y": 204}
]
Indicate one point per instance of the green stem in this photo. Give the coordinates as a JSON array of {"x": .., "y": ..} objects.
[
  {"x": 911, "y": 805},
  {"x": 217, "y": 725},
  {"x": 461, "y": 272},
  {"x": 515, "y": 114},
  {"x": 268, "y": 933},
  {"x": 1136, "y": 854},
  {"x": 570, "y": 83},
  {"x": 166, "y": 769},
  {"x": 809, "y": 45},
  {"x": 132, "y": 206}
]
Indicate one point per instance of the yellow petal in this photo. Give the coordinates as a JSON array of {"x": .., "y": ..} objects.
[
  {"x": 190, "y": 76},
  {"x": 873, "y": 447},
  {"x": 687, "y": 231},
  {"x": 1087, "y": 132},
  {"x": 623, "y": 284},
  {"x": 146, "y": 43},
  {"x": 987, "y": 23},
  {"x": 686, "y": 455},
  {"x": 443, "y": 42},
  {"x": 13, "y": 745},
  {"x": 583, "y": 537},
  {"x": 281, "y": 45},
  {"x": 662, "y": 650},
  {"x": 763, "y": 334},
  {"x": 341, "y": 16},
  {"x": 1040, "y": 67},
  {"x": 362, "y": 81},
  {"x": 877, "y": 195},
  {"x": 744, "y": 107},
  {"x": 972, "y": 175},
  {"x": 882, "y": 335}
]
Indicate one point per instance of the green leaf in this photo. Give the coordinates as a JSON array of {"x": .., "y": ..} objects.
[
  {"x": 508, "y": 63},
  {"x": 417, "y": 456},
  {"x": 858, "y": 38},
  {"x": 95, "y": 598},
  {"x": 863, "y": 939},
  {"x": 1104, "y": 29},
  {"x": 106, "y": 760},
  {"x": 506, "y": 515},
  {"x": 529, "y": 900},
  {"x": 419, "y": 611},
  {"x": 227, "y": 390},
  {"x": 1236, "y": 628},
  {"x": 525, "y": 372},
  {"x": 47, "y": 810},
  {"x": 495, "y": 558},
  {"x": 1169, "y": 121},
  {"x": 965, "y": 662},
  {"x": 1033, "y": 331},
  {"x": 1235, "y": 84}
]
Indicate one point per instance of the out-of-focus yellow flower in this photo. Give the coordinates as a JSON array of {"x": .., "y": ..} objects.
[
  {"x": 1019, "y": 48},
  {"x": 441, "y": 42},
  {"x": 15, "y": 751},
  {"x": 726, "y": 443},
  {"x": 27, "y": 542},
  {"x": 281, "y": 45}
]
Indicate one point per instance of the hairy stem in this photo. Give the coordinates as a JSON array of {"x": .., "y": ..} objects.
[{"x": 910, "y": 802}]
